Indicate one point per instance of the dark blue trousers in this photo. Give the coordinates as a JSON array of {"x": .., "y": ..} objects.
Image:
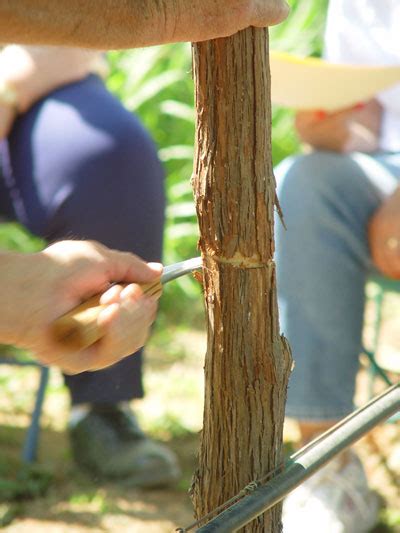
[{"x": 78, "y": 165}]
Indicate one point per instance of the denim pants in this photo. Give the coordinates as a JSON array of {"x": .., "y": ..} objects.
[
  {"x": 323, "y": 261},
  {"x": 78, "y": 165}
]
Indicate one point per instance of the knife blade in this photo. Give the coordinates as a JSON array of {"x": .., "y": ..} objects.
[{"x": 177, "y": 270}]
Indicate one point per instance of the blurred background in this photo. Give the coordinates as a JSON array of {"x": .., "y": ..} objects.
[{"x": 155, "y": 83}]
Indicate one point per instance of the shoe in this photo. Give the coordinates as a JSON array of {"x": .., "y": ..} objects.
[
  {"x": 108, "y": 443},
  {"x": 336, "y": 499}
]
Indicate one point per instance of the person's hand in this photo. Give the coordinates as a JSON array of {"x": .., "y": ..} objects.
[
  {"x": 384, "y": 236},
  {"x": 34, "y": 71},
  {"x": 240, "y": 14},
  {"x": 268, "y": 12},
  {"x": 224, "y": 18},
  {"x": 356, "y": 129},
  {"x": 38, "y": 288}
]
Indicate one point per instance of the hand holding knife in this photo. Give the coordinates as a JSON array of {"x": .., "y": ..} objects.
[{"x": 78, "y": 328}]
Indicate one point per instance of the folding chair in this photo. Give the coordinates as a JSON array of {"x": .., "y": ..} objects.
[
  {"x": 381, "y": 287},
  {"x": 29, "y": 450}
]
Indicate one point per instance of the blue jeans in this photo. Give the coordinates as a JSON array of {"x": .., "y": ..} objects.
[{"x": 323, "y": 261}]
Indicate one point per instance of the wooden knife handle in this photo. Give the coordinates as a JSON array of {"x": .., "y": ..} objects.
[{"x": 78, "y": 329}]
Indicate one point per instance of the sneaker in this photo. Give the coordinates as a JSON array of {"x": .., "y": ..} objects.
[
  {"x": 109, "y": 443},
  {"x": 336, "y": 499}
]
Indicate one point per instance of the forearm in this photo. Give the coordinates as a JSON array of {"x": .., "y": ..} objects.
[
  {"x": 107, "y": 24},
  {"x": 112, "y": 24},
  {"x": 14, "y": 288}
]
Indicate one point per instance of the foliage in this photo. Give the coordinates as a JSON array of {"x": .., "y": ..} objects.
[
  {"x": 14, "y": 237},
  {"x": 302, "y": 32}
]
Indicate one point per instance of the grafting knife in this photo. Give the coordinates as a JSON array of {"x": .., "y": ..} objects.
[{"x": 180, "y": 269}]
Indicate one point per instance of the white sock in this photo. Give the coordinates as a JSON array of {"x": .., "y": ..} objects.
[{"x": 78, "y": 413}]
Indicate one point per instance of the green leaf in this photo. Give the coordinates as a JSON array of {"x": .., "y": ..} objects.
[{"x": 153, "y": 87}]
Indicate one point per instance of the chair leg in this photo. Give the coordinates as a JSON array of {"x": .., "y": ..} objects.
[
  {"x": 30, "y": 446},
  {"x": 374, "y": 369}
]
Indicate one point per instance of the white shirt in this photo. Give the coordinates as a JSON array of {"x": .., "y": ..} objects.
[{"x": 368, "y": 32}]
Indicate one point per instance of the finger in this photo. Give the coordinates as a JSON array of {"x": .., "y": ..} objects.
[
  {"x": 72, "y": 362},
  {"x": 127, "y": 326},
  {"x": 123, "y": 266},
  {"x": 112, "y": 295},
  {"x": 320, "y": 114},
  {"x": 118, "y": 293},
  {"x": 131, "y": 292},
  {"x": 308, "y": 119},
  {"x": 68, "y": 363},
  {"x": 270, "y": 12},
  {"x": 359, "y": 106}
]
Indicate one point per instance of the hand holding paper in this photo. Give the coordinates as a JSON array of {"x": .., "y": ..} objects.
[{"x": 352, "y": 129}]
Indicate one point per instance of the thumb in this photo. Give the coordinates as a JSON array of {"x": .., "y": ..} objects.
[{"x": 129, "y": 268}]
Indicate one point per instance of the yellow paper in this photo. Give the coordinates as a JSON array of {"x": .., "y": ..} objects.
[{"x": 311, "y": 83}]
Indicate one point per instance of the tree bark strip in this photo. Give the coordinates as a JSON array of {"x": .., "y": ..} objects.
[{"x": 247, "y": 362}]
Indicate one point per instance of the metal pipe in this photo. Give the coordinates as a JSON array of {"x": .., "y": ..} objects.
[{"x": 306, "y": 462}]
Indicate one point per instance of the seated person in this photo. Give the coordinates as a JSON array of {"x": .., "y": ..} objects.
[
  {"x": 341, "y": 205},
  {"x": 76, "y": 164}
]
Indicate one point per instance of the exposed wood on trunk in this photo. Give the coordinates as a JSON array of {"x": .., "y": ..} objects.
[{"x": 247, "y": 362}]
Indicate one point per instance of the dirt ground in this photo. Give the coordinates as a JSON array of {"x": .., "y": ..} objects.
[
  {"x": 73, "y": 503},
  {"x": 172, "y": 411}
]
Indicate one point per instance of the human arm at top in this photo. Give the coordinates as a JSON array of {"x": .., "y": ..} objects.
[{"x": 116, "y": 24}]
